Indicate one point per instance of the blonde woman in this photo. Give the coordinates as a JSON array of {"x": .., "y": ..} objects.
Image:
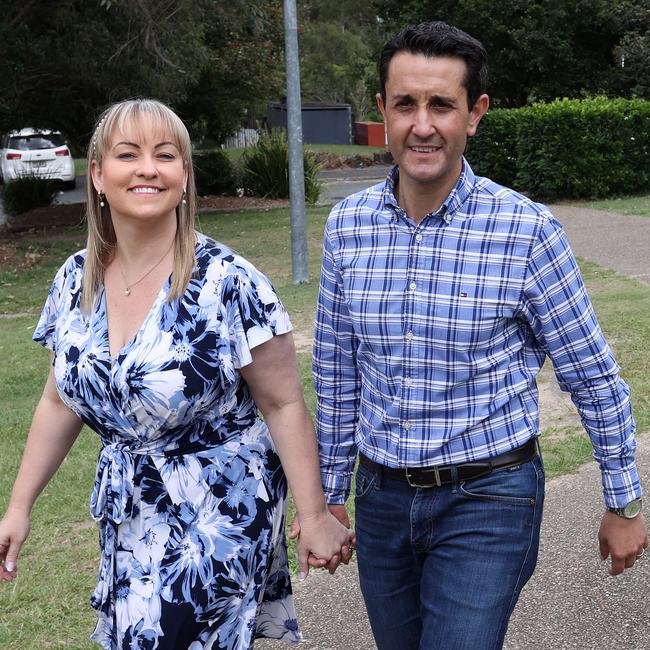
[{"x": 167, "y": 344}]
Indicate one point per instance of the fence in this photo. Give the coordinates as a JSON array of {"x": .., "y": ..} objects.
[{"x": 242, "y": 139}]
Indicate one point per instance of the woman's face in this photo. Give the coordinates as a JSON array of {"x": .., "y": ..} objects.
[{"x": 141, "y": 173}]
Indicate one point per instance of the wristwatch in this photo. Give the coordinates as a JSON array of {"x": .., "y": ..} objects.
[{"x": 631, "y": 510}]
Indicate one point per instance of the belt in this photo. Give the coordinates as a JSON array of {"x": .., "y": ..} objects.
[{"x": 426, "y": 477}]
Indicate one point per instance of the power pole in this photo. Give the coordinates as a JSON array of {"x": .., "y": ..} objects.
[{"x": 299, "y": 261}]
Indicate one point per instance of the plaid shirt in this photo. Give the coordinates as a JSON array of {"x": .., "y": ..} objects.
[{"x": 429, "y": 337}]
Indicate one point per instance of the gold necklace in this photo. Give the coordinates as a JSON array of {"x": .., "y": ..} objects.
[{"x": 127, "y": 286}]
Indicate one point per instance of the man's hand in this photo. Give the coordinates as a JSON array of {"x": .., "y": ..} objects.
[{"x": 624, "y": 540}]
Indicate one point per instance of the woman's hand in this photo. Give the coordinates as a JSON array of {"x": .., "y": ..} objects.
[
  {"x": 323, "y": 541},
  {"x": 14, "y": 529}
]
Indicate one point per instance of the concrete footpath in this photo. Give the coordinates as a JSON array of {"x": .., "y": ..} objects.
[{"x": 571, "y": 602}]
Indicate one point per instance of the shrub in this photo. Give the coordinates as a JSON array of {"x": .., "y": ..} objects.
[
  {"x": 26, "y": 193},
  {"x": 590, "y": 148},
  {"x": 266, "y": 169},
  {"x": 493, "y": 151},
  {"x": 567, "y": 149},
  {"x": 214, "y": 173}
]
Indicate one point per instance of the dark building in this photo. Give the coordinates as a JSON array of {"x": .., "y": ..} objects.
[{"x": 321, "y": 123}]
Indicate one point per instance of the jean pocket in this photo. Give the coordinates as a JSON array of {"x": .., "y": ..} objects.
[
  {"x": 521, "y": 485},
  {"x": 365, "y": 482}
]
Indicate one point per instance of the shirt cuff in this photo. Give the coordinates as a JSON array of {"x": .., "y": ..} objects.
[
  {"x": 621, "y": 486},
  {"x": 336, "y": 487}
]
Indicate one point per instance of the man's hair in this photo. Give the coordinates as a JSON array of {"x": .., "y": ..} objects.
[{"x": 439, "y": 39}]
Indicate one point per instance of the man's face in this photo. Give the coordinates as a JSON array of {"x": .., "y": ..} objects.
[{"x": 427, "y": 121}]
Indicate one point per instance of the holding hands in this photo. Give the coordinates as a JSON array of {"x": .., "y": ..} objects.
[{"x": 325, "y": 540}]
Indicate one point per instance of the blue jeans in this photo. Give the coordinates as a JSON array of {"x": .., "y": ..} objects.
[{"x": 441, "y": 568}]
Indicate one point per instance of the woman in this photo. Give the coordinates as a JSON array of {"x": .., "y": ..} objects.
[{"x": 166, "y": 343}]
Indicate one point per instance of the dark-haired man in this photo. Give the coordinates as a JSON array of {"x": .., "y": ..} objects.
[{"x": 441, "y": 295}]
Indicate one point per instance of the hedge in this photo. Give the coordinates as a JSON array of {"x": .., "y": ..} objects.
[{"x": 567, "y": 149}]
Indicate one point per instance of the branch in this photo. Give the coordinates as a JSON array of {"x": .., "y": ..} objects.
[{"x": 25, "y": 8}]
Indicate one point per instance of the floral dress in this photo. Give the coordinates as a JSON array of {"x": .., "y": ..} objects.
[{"x": 189, "y": 495}]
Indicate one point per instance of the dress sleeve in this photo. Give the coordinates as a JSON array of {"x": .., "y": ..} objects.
[
  {"x": 65, "y": 286},
  {"x": 253, "y": 311}
]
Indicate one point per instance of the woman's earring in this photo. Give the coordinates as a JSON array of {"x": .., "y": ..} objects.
[
  {"x": 101, "y": 200},
  {"x": 184, "y": 195}
]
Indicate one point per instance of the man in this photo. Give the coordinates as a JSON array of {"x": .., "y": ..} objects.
[{"x": 441, "y": 295}]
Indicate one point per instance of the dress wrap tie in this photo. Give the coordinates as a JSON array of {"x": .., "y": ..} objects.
[
  {"x": 113, "y": 484},
  {"x": 111, "y": 503}
]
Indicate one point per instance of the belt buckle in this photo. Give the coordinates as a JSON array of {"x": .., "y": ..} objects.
[{"x": 433, "y": 470}]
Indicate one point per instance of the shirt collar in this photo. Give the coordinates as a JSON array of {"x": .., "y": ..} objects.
[{"x": 450, "y": 206}]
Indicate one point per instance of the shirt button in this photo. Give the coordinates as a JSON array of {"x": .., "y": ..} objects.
[
  {"x": 408, "y": 382},
  {"x": 418, "y": 238},
  {"x": 407, "y": 424},
  {"x": 409, "y": 336},
  {"x": 413, "y": 286}
]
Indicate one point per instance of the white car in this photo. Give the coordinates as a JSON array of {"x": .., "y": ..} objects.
[{"x": 37, "y": 152}]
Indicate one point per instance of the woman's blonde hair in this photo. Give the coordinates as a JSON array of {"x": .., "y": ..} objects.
[{"x": 101, "y": 236}]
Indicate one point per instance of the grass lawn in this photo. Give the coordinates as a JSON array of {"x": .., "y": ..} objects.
[
  {"x": 347, "y": 150},
  {"x": 635, "y": 205},
  {"x": 48, "y": 606},
  {"x": 81, "y": 165}
]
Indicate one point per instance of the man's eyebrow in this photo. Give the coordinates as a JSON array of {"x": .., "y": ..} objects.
[
  {"x": 442, "y": 100},
  {"x": 406, "y": 97}
]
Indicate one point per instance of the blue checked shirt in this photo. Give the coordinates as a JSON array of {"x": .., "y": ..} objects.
[{"x": 429, "y": 337}]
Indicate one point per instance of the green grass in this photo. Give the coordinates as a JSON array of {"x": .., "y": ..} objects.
[
  {"x": 633, "y": 205},
  {"x": 347, "y": 150},
  {"x": 81, "y": 165},
  {"x": 48, "y": 606}
]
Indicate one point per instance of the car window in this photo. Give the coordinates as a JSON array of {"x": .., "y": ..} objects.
[{"x": 37, "y": 141}]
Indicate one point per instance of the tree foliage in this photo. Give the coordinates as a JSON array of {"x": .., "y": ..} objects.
[
  {"x": 62, "y": 62},
  {"x": 338, "y": 47},
  {"x": 543, "y": 49},
  {"x": 633, "y": 52}
]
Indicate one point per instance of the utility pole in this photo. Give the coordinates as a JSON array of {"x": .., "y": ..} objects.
[{"x": 299, "y": 261}]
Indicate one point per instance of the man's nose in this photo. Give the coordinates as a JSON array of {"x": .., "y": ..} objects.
[{"x": 423, "y": 124}]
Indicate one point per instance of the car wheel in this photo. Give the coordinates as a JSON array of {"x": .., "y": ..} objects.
[{"x": 70, "y": 185}]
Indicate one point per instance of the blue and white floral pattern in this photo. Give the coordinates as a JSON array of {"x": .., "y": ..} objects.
[{"x": 190, "y": 495}]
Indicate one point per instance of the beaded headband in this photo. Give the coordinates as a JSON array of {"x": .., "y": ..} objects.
[{"x": 97, "y": 130}]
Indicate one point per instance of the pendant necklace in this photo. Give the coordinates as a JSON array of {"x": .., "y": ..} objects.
[{"x": 127, "y": 286}]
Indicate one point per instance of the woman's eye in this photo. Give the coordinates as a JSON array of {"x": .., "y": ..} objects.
[{"x": 126, "y": 155}]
